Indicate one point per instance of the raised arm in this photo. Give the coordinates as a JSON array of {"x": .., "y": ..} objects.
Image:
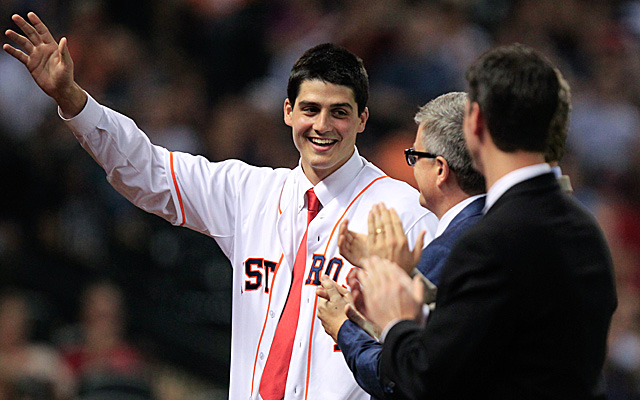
[{"x": 48, "y": 61}]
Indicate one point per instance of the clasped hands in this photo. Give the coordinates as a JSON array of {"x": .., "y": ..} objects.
[{"x": 381, "y": 290}]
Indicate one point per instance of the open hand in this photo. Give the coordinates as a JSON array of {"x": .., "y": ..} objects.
[
  {"x": 387, "y": 239},
  {"x": 352, "y": 245},
  {"x": 48, "y": 62}
]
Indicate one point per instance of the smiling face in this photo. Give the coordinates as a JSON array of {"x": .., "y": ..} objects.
[{"x": 325, "y": 123}]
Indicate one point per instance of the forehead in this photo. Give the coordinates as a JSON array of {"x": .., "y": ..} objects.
[{"x": 325, "y": 93}]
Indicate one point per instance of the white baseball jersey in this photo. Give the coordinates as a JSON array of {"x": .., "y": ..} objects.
[{"x": 258, "y": 217}]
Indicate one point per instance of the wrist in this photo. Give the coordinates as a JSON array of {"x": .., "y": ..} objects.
[{"x": 71, "y": 101}]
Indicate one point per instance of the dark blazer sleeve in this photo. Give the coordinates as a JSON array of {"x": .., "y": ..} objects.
[
  {"x": 362, "y": 354},
  {"x": 523, "y": 308},
  {"x": 433, "y": 362},
  {"x": 432, "y": 260}
]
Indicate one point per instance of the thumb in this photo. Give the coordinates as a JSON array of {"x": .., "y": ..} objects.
[
  {"x": 330, "y": 286},
  {"x": 417, "y": 250},
  {"x": 342, "y": 290},
  {"x": 63, "y": 48}
]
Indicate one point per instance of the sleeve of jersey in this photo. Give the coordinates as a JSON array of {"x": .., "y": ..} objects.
[{"x": 184, "y": 189}]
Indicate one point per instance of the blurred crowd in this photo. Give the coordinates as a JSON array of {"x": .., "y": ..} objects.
[{"x": 97, "y": 296}]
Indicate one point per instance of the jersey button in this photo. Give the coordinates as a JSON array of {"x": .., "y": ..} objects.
[
  {"x": 261, "y": 356},
  {"x": 272, "y": 314}
]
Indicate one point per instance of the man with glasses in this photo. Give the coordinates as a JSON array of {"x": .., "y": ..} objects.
[
  {"x": 527, "y": 294},
  {"x": 449, "y": 187}
]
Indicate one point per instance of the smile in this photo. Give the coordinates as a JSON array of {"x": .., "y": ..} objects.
[{"x": 322, "y": 142}]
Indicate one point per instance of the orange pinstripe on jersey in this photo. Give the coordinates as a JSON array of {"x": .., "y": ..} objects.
[
  {"x": 315, "y": 306},
  {"x": 175, "y": 184},
  {"x": 266, "y": 316}
]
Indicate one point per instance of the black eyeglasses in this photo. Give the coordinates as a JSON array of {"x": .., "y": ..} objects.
[{"x": 412, "y": 156}]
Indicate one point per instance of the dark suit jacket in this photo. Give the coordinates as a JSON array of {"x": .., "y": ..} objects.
[
  {"x": 361, "y": 352},
  {"x": 436, "y": 253},
  {"x": 523, "y": 308}
]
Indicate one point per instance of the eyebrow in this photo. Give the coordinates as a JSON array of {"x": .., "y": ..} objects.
[{"x": 304, "y": 103}]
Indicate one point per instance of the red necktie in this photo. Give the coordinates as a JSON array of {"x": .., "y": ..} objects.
[{"x": 274, "y": 377}]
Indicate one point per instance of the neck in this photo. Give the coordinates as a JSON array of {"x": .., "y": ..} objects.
[
  {"x": 451, "y": 197},
  {"x": 497, "y": 164}
]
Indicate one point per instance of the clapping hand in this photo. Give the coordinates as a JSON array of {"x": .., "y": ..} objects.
[{"x": 385, "y": 239}]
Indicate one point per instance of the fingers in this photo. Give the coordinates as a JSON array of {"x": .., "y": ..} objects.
[
  {"x": 19, "y": 40},
  {"x": 37, "y": 33},
  {"x": 384, "y": 225},
  {"x": 342, "y": 231},
  {"x": 28, "y": 30},
  {"x": 371, "y": 237},
  {"x": 345, "y": 237},
  {"x": 322, "y": 293},
  {"x": 417, "y": 249},
  {"x": 342, "y": 290},
  {"x": 40, "y": 28},
  {"x": 15, "y": 53},
  {"x": 331, "y": 287},
  {"x": 388, "y": 230},
  {"x": 395, "y": 223}
]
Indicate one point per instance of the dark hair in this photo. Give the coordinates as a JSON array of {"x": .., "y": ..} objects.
[
  {"x": 333, "y": 64},
  {"x": 560, "y": 122},
  {"x": 517, "y": 91}
]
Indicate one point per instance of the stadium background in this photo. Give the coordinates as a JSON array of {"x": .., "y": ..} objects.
[{"x": 209, "y": 77}]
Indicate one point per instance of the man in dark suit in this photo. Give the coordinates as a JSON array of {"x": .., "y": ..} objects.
[
  {"x": 450, "y": 187},
  {"x": 526, "y": 296}
]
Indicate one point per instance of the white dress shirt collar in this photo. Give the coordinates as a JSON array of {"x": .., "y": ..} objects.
[
  {"x": 557, "y": 171},
  {"x": 331, "y": 186},
  {"x": 511, "y": 179},
  {"x": 446, "y": 219}
]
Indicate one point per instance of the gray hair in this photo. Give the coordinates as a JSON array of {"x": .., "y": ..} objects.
[{"x": 441, "y": 121}]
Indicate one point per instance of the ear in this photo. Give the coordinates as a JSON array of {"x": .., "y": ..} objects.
[
  {"x": 288, "y": 110},
  {"x": 443, "y": 170},
  {"x": 476, "y": 121},
  {"x": 364, "y": 116}
]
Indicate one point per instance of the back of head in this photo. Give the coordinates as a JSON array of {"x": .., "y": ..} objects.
[
  {"x": 332, "y": 64},
  {"x": 442, "y": 134},
  {"x": 517, "y": 91},
  {"x": 560, "y": 122}
]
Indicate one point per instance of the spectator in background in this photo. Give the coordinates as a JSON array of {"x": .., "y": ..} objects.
[
  {"x": 27, "y": 367},
  {"x": 97, "y": 346}
]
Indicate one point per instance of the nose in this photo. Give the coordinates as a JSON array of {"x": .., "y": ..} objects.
[{"x": 322, "y": 122}]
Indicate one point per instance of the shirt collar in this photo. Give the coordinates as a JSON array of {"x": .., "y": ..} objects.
[
  {"x": 511, "y": 179},
  {"x": 331, "y": 186},
  {"x": 557, "y": 171},
  {"x": 446, "y": 219}
]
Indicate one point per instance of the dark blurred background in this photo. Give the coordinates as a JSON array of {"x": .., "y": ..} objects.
[{"x": 98, "y": 297}]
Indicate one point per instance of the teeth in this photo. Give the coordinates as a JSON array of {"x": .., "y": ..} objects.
[{"x": 322, "y": 141}]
